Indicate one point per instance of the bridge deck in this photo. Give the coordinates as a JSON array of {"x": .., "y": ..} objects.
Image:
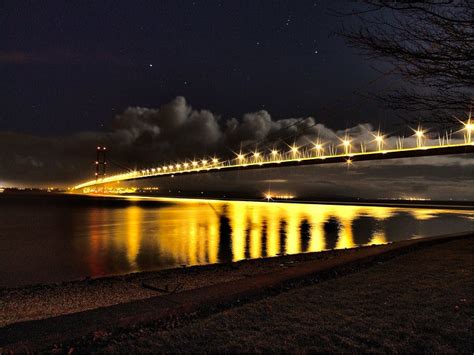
[{"x": 298, "y": 161}]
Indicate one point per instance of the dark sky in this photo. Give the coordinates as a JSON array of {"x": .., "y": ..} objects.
[{"x": 68, "y": 66}]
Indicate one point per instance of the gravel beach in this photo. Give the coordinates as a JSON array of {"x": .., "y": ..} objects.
[{"x": 43, "y": 301}]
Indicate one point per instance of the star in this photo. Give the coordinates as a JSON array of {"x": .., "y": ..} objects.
[
  {"x": 150, "y": 65},
  {"x": 316, "y": 52}
]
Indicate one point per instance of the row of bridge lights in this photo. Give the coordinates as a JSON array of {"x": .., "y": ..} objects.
[
  {"x": 193, "y": 164},
  {"x": 295, "y": 152}
]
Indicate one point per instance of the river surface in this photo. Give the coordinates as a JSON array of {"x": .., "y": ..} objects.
[{"x": 45, "y": 239}]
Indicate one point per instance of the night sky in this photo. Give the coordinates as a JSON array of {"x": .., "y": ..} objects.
[
  {"x": 159, "y": 81},
  {"x": 68, "y": 66}
]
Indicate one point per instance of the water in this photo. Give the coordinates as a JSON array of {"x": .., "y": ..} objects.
[{"x": 53, "y": 239}]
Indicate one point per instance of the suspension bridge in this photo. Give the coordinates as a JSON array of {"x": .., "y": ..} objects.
[{"x": 346, "y": 151}]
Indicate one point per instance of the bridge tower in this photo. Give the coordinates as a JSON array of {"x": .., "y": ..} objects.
[{"x": 101, "y": 162}]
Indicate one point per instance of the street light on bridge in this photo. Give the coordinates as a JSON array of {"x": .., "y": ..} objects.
[
  {"x": 379, "y": 139},
  {"x": 256, "y": 155},
  {"x": 346, "y": 143},
  {"x": 240, "y": 157},
  {"x": 420, "y": 134},
  {"x": 294, "y": 150},
  {"x": 468, "y": 127},
  {"x": 318, "y": 147}
]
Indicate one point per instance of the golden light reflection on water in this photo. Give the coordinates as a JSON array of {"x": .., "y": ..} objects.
[
  {"x": 377, "y": 238},
  {"x": 194, "y": 232},
  {"x": 133, "y": 234}
]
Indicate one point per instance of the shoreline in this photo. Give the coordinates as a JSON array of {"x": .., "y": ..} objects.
[
  {"x": 146, "y": 199},
  {"x": 42, "y": 300},
  {"x": 455, "y": 205},
  {"x": 201, "y": 286}
]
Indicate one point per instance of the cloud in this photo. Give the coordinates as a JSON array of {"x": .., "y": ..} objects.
[{"x": 144, "y": 137}]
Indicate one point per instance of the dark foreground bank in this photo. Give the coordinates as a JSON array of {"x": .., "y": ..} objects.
[{"x": 415, "y": 299}]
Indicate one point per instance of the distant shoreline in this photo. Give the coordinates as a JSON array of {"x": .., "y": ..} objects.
[
  {"x": 468, "y": 205},
  {"x": 152, "y": 198},
  {"x": 461, "y": 205}
]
